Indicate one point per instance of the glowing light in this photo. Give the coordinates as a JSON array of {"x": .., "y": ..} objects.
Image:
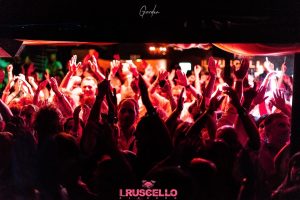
[
  {"x": 185, "y": 66},
  {"x": 152, "y": 48}
]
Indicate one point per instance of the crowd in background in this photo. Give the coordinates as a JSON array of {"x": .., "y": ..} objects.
[{"x": 89, "y": 132}]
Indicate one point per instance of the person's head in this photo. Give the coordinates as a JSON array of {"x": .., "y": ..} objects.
[
  {"x": 52, "y": 57},
  {"x": 277, "y": 129},
  {"x": 27, "y": 113},
  {"x": 260, "y": 123},
  {"x": 229, "y": 135},
  {"x": 68, "y": 157},
  {"x": 128, "y": 112},
  {"x": 89, "y": 86},
  {"x": 48, "y": 121}
]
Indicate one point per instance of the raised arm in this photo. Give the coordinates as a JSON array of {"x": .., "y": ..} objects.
[
  {"x": 72, "y": 66},
  {"x": 95, "y": 68},
  {"x": 279, "y": 102},
  {"x": 40, "y": 87},
  {"x": 240, "y": 75},
  {"x": 206, "y": 117},
  {"x": 26, "y": 84},
  {"x": 145, "y": 96},
  {"x": 182, "y": 80},
  {"x": 171, "y": 122},
  {"x": 114, "y": 67},
  {"x": 9, "y": 70},
  {"x": 197, "y": 70},
  {"x": 32, "y": 83},
  {"x": 77, "y": 128},
  {"x": 212, "y": 72},
  {"x": 63, "y": 102},
  {"x": 249, "y": 126}
]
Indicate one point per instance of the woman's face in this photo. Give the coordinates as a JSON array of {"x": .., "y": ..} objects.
[{"x": 127, "y": 114}]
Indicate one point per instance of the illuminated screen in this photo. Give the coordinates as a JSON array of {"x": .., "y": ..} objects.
[{"x": 185, "y": 66}]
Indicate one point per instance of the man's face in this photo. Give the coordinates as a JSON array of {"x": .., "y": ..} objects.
[{"x": 89, "y": 87}]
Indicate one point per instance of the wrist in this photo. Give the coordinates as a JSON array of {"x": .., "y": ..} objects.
[{"x": 239, "y": 80}]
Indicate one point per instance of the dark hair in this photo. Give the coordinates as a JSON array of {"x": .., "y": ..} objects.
[
  {"x": 270, "y": 118},
  {"x": 48, "y": 121}
]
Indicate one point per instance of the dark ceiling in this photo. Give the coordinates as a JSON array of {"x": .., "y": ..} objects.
[{"x": 181, "y": 21}]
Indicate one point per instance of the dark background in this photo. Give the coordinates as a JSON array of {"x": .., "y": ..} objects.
[{"x": 272, "y": 21}]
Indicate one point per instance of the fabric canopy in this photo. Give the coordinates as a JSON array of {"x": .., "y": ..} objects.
[
  {"x": 182, "y": 46},
  {"x": 256, "y": 49}
]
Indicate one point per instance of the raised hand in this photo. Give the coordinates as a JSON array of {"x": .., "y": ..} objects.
[
  {"x": 54, "y": 85},
  {"x": 76, "y": 112},
  {"x": 162, "y": 75},
  {"x": 215, "y": 101},
  {"x": 233, "y": 96},
  {"x": 73, "y": 65},
  {"x": 278, "y": 101},
  {"x": 182, "y": 80},
  {"x": 260, "y": 96},
  {"x": 22, "y": 77},
  {"x": 31, "y": 79},
  {"x": 133, "y": 68},
  {"x": 43, "y": 84},
  {"x": 241, "y": 73},
  {"x": 9, "y": 68},
  {"x": 102, "y": 88},
  {"x": 114, "y": 67},
  {"x": 249, "y": 94},
  {"x": 94, "y": 64},
  {"x": 212, "y": 66},
  {"x": 283, "y": 68}
]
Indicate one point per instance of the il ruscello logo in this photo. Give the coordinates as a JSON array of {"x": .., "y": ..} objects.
[{"x": 147, "y": 192}]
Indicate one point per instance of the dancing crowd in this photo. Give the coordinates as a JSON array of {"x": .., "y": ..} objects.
[{"x": 86, "y": 134}]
